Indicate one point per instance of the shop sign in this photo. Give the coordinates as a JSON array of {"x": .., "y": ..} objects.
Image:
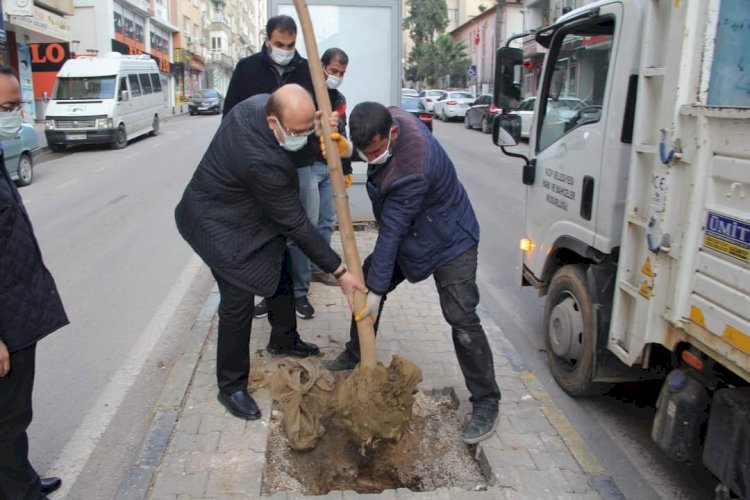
[
  {"x": 18, "y": 7},
  {"x": 44, "y": 22}
]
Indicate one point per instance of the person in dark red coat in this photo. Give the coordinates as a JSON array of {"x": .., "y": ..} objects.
[
  {"x": 30, "y": 309},
  {"x": 237, "y": 212}
]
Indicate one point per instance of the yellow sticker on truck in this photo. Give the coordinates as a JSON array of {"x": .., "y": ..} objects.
[{"x": 728, "y": 236}]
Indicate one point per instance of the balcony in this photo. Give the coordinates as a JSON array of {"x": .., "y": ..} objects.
[{"x": 220, "y": 58}]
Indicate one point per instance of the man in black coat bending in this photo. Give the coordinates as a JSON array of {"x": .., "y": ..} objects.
[
  {"x": 30, "y": 309},
  {"x": 237, "y": 213}
]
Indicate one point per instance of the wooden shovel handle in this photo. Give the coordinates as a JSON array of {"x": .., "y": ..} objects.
[{"x": 365, "y": 327}]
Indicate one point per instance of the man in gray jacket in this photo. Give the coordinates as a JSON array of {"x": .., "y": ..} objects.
[{"x": 237, "y": 213}]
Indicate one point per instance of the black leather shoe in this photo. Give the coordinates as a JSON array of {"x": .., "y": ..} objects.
[
  {"x": 240, "y": 404},
  {"x": 50, "y": 484},
  {"x": 481, "y": 425},
  {"x": 344, "y": 361},
  {"x": 298, "y": 348}
]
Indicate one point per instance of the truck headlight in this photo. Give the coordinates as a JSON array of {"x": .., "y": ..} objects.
[
  {"x": 104, "y": 123},
  {"x": 49, "y": 124}
]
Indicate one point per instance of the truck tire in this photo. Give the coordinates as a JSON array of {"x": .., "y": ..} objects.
[{"x": 570, "y": 332}]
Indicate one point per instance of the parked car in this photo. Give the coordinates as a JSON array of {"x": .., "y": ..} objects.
[
  {"x": 206, "y": 101},
  {"x": 565, "y": 108},
  {"x": 20, "y": 153},
  {"x": 414, "y": 106},
  {"x": 409, "y": 93},
  {"x": 428, "y": 98},
  {"x": 481, "y": 113},
  {"x": 451, "y": 105}
]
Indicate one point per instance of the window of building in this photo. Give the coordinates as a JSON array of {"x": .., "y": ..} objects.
[{"x": 216, "y": 43}]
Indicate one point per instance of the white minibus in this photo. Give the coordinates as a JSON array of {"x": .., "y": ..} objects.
[{"x": 105, "y": 100}]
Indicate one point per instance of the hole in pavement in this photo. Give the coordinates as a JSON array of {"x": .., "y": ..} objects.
[{"x": 429, "y": 456}]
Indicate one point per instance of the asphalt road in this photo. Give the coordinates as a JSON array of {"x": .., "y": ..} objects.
[
  {"x": 131, "y": 287},
  {"x": 616, "y": 427}
]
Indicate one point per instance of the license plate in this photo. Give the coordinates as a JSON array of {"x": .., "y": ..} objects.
[
  {"x": 75, "y": 137},
  {"x": 202, "y": 107}
]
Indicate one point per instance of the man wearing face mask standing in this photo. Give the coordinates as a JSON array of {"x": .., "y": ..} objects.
[
  {"x": 322, "y": 207},
  {"x": 277, "y": 64},
  {"x": 31, "y": 309},
  {"x": 426, "y": 226}
]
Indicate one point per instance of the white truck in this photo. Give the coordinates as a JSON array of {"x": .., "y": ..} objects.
[{"x": 638, "y": 212}]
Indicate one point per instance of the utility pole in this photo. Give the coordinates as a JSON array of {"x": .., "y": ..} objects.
[{"x": 499, "y": 38}]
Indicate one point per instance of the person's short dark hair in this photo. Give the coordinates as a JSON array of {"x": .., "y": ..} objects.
[
  {"x": 367, "y": 120},
  {"x": 7, "y": 70},
  {"x": 334, "y": 54},
  {"x": 284, "y": 24}
]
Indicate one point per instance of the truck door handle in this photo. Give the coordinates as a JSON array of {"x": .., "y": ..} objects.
[{"x": 587, "y": 197}]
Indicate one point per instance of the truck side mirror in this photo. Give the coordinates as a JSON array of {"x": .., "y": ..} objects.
[
  {"x": 45, "y": 97},
  {"x": 506, "y": 130},
  {"x": 124, "y": 96},
  {"x": 508, "y": 63}
]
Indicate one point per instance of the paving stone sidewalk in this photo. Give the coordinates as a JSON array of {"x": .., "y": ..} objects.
[{"x": 534, "y": 454}]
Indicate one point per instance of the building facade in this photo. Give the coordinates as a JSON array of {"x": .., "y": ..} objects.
[
  {"x": 479, "y": 35},
  {"x": 35, "y": 40}
]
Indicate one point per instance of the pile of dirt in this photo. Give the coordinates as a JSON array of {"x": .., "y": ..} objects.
[{"x": 428, "y": 456}]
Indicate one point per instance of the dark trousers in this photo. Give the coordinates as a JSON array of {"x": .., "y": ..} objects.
[
  {"x": 18, "y": 479},
  {"x": 235, "y": 321},
  {"x": 456, "y": 284}
]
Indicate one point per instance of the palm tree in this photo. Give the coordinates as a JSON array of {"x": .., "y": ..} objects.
[{"x": 449, "y": 58}]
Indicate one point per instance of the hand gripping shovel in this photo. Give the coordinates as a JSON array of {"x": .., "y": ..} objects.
[{"x": 375, "y": 402}]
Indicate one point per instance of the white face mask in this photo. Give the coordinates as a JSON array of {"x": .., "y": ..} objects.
[
  {"x": 292, "y": 143},
  {"x": 332, "y": 82},
  {"x": 382, "y": 157},
  {"x": 281, "y": 57},
  {"x": 10, "y": 124}
]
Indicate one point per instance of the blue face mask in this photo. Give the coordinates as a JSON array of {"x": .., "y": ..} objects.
[{"x": 10, "y": 124}]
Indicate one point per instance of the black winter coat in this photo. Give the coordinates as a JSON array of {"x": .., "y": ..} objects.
[
  {"x": 243, "y": 203},
  {"x": 30, "y": 306},
  {"x": 257, "y": 74}
]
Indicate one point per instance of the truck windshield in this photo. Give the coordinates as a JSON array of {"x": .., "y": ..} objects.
[{"x": 90, "y": 87}]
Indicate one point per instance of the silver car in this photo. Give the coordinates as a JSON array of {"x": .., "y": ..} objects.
[{"x": 19, "y": 154}]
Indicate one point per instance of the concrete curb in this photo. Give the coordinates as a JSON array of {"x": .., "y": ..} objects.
[
  {"x": 137, "y": 479},
  {"x": 601, "y": 481}
]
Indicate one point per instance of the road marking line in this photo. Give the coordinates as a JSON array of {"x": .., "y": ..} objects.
[
  {"x": 66, "y": 184},
  {"x": 131, "y": 156},
  {"x": 102, "y": 169},
  {"x": 78, "y": 449}
]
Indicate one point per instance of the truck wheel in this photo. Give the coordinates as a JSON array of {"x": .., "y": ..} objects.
[
  {"x": 155, "y": 126},
  {"x": 25, "y": 170},
  {"x": 121, "y": 138},
  {"x": 570, "y": 323},
  {"x": 56, "y": 147}
]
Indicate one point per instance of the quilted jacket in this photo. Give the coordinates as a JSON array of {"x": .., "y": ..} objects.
[
  {"x": 257, "y": 74},
  {"x": 30, "y": 306},
  {"x": 243, "y": 203},
  {"x": 424, "y": 215}
]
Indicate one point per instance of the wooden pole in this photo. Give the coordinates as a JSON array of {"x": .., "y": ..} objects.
[{"x": 365, "y": 327}]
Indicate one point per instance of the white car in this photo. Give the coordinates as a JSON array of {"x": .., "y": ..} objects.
[
  {"x": 451, "y": 105},
  {"x": 428, "y": 98},
  {"x": 565, "y": 108},
  {"x": 409, "y": 93}
]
